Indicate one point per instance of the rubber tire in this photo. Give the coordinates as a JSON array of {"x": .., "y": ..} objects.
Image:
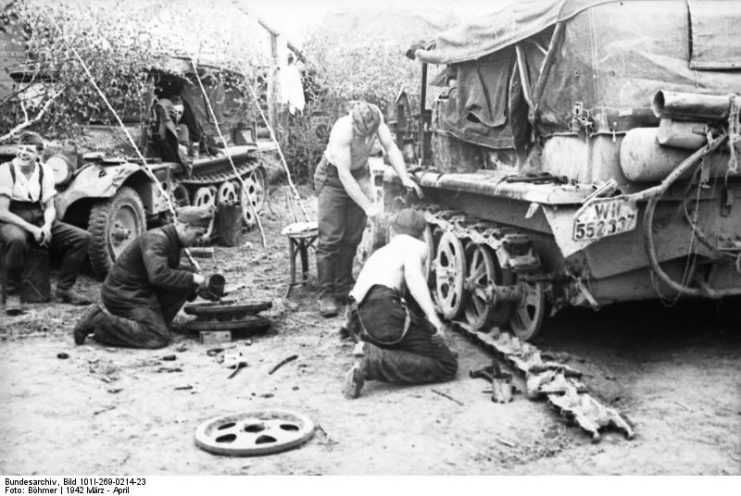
[{"x": 101, "y": 257}]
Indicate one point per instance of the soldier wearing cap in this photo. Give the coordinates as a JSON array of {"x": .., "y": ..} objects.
[
  {"x": 400, "y": 341},
  {"x": 346, "y": 199},
  {"x": 146, "y": 286},
  {"x": 27, "y": 216}
]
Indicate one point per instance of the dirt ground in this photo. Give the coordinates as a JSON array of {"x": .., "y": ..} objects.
[{"x": 673, "y": 372}]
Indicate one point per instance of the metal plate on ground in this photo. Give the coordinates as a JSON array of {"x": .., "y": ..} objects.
[
  {"x": 226, "y": 308},
  {"x": 254, "y": 433}
]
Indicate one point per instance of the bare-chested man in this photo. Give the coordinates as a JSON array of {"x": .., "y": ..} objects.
[
  {"x": 397, "y": 344},
  {"x": 342, "y": 183}
]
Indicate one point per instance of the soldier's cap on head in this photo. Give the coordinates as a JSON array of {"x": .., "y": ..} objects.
[
  {"x": 409, "y": 221},
  {"x": 31, "y": 138},
  {"x": 365, "y": 118},
  {"x": 195, "y": 216}
]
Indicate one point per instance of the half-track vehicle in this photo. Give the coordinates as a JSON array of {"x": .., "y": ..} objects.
[
  {"x": 109, "y": 191},
  {"x": 579, "y": 153}
]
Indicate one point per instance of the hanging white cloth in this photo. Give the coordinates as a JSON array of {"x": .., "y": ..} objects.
[{"x": 291, "y": 89}]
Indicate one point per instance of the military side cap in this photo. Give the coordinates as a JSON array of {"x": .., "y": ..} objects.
[{"x": 195, "y": 216}]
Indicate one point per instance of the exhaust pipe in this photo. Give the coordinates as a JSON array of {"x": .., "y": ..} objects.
[{"x": 691, "y": 106}]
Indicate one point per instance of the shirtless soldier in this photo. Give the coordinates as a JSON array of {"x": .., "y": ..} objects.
[
  {"x": 346, "y": 199},
  {"x": 398, "y": 344}
]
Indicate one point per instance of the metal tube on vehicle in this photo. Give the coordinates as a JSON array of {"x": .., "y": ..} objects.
[
  {"x": 691, "y": 106},
  {"x": 643, "y": 159}
]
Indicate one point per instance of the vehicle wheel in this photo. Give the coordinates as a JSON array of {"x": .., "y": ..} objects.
[
  {"x": 254, "y": 433},
  {"x": 529, "y": 313},
  {"x": 246, "y": 199},
  {"x": 484, "y": 271},
  {"x": 257, "y": 192},
  {"x": 225, "y": 308},
  {"x": 179, "y": 196},
  {"x": 227, "y": 193},
  {"x": 450, "y": 271},
  {"x": 205, "y": 197},
  {"x": 114, "y": 223}
]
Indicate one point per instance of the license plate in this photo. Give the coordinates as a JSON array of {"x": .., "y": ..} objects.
[{"x": 604, "y": 217}]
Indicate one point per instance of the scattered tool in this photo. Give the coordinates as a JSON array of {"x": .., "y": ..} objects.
[
  {"x": 448, "y": 397},
  {"x": 282, "y": 363},
  {"x": 239, "y": 367}
]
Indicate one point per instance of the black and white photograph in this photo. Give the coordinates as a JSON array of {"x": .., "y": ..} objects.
[{"x": 382, "y": 238}]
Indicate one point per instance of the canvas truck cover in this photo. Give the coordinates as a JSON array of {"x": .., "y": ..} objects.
[{"x": 613, "y": 57}]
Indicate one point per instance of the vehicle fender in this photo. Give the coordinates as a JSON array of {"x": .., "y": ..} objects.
[{"x": 94, "y": 181}]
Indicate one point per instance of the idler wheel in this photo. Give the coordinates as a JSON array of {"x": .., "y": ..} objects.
[
  {"x": 205, "y": 197},
  {"x": 254, "y": 433},
  {"x": 450, "y": 270},
  {"x": 528, "y": 313},
  {"x": 484, "y": 271}
]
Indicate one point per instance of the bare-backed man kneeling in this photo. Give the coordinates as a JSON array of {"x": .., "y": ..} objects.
[{"x": 399, "y": 343}]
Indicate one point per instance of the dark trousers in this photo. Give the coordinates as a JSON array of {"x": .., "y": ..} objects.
[
  {"x": 341, "y": 226},
  {"x": 67, "y": 241},
  {"x": 138, "y": 326},
  {"x": 417, "y": 358}
]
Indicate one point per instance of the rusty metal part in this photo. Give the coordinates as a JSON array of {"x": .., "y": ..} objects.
[
  {"x": 254, "y": 433},
  {"x": 226, "y": 308},
  {"x": 554, "y": 380}
]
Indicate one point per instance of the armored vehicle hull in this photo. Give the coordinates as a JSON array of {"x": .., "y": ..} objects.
[{"x": 582, "y": 153}]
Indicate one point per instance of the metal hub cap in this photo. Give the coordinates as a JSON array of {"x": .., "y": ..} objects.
[
  {"x": 254, "y": 433},
  {"x": 450, "y": 271}
]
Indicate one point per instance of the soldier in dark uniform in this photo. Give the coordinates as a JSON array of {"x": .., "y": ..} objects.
[{"x": 146, "y": 287}]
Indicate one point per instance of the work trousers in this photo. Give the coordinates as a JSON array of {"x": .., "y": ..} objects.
[
  {"x": 341, "y": 226},
  {"x": 417, "y": 358},
  {"x": 140, "y": 326},
  {"x": 68, "y": 242}
]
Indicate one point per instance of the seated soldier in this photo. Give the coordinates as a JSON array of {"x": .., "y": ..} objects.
[
  {"x": 173, "y": 136},
  {"x": 146, "y": 286},
  {"x": 28, "y": 216},
  {"x": 397, "y": 344}
]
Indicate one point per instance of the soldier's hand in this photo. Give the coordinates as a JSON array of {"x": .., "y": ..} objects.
[
  {"x": 199, "y": 279},
  {"x": 374, "y": 210},
  {"x": 46, "y": 235},
  {"x": 38, "y": 234},
  {"x": 410, "y": 184}
]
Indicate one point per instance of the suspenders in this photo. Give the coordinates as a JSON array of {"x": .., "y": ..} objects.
[{"x": 41, "y": 179}]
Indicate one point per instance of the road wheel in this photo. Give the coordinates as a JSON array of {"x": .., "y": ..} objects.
[
  {"x": 450, "y": 272},
  {"x": 484, "y": 271},
  {"x": 528, "y": 314},
  {"x": 114, "y": 224}
]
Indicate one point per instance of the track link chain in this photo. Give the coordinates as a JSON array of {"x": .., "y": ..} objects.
[
  {"x": 513, "y": 248},
  {"x": 560, "y": 384},
  {"x": 219, "y": 177}
]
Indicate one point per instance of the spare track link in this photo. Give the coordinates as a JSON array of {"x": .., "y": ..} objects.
[
  {"x": 520, "y": 257},
  {"x": 559, "y": 383},
  {"x": 219, "y": 177}
]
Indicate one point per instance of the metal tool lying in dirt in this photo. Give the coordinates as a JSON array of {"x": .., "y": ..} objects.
[
  {"x": 254, "y": 433},
  {"x": 559, "y": 383}
]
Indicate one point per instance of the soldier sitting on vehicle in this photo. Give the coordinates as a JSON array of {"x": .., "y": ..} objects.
[
  {"x": 27, "y": 215},
  {"x": 146, "y": 286},
  {"x": 172, "y": 136},
  {"x": 397, "y": 344}
]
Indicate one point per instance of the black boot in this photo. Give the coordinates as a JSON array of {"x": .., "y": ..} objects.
[{"x": 86, "y": 325}]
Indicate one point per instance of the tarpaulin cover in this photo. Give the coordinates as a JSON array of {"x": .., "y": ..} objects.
[
  {"x": 716, "y": 43},
  {"x": 615, "y": 57},
  {"x": 476, "y": 107},
  {"x": 500, "y": 27},
  {"x": 612, "y": 58}
]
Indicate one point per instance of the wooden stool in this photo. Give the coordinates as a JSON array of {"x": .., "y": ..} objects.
[
  {"x": 35, "y": 276},
  {"x": 301, "y": 236}
]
